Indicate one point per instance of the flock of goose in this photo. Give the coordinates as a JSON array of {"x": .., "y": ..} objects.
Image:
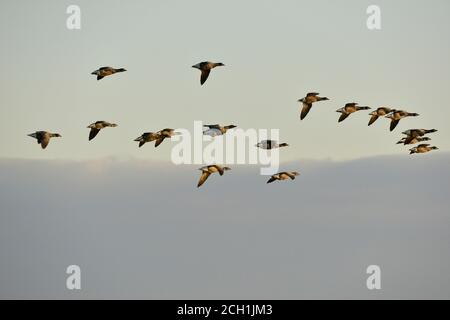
[{"x": 412, "y": 136}]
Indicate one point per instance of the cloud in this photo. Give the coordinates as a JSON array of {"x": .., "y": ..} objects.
[{"x": 141, "y": 229}]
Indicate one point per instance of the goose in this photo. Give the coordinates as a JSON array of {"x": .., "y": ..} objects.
[
  {"x": 411, "y": 134},
  {"x": 283, "y": 176},
  {"x": 413, "y": 141},
  {"x": 43, "y": 137},
  {"x": 397, "y": 115},
  {"x": 270, "y": 144},
  {"x": 422, "y": 148},
  {"x": 106, "y": 71},
  {"x": 208, "y": 170},
  {"x": 418, "y": 132},
  {"x": 348, "y": 109},
  {"x": 205, "y": 67},
  {"x": 308, "y": 101},
  {"x": 97, "y": 126},
  {"x": 163, "y": 134},
  {"x": 381, "y": 111},
  {"x": 216, "y": 130},
  {"x": 147, "y": 137}
]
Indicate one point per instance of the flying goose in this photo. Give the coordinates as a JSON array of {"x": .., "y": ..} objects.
[
  {"x": 270, "y": 144},
  {"x": 308, "y": 101},
  {"x": 97, "y": 126},
  {"x": 208, "y": 170},
  {"x": 147, "y": 137},
  {"x": 43, "y": 137},
  {"x": 106, "y": 71},
  {"x": 397, "y": 115},
  {"x": 283, "y": 176},
  {"x": 414, "y": 140},
  {"x": 414, "y": 133},
  {"x": 422, "y": 148},
  {"x": 348, "y": 109},
  {"x": 216, "y": 130},
  {"x": 418, "y": 132},
  {"x": 163, "y": 134},
  {"x": 205, "y": 67},
  {"x": 381, "y": 111}
]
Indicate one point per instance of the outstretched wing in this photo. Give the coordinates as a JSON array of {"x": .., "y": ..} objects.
[
  {"x": 305, "y": 110},
  {"x": 203, "y": 177},
  {"x": 99, "y": 77},
  {"x": 44, "y": 141},
  {"x": 394, "y": 123},
  {"x": 373, "y": 119},
  {"x": 343, "y": 117},
  {"x": 93, "y": 133},
  {"x": 409, "y": 139},
  {"x": 212, "y": 126},
  {"x": 272, "y": 179},
  {"x": 159, "y": 141},
  {"x": 204, "y": 77}
]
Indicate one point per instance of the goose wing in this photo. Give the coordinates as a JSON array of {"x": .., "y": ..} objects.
[
  {"x": 373, "y": 119},
  {"x": 305, "y": 110},
  {"x": 394, "y": 123},
  {"x": 159, "y": 141},
  {"x": 343, "y": 117},
  {"x": 44, "y": 140},
  {"x": 93, "y": 133},
  {"x": 212, "y": 126},
  {"x": 272, "y": 179},
  {"x": 203, "y": 177},
  {"x": 204, "y": 76}
]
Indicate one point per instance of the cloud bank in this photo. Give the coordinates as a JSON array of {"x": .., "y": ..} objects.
[{"x": 143, "y": 230}]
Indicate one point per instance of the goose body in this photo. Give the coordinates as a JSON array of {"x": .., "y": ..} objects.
[
  {"x": 97, "y": 126},
  {"x": 158, "y": 137},
  {"x": 422, "y": 148},
  {"x": 270, "y": 144},
  {"x": 397, "y": 115},
  {"x": 216, "y": 130},
  {"x": 411, "y": 134},
  {"x": 285, "y": 175},
  {"x": 380, "y": 112},
  {"x": 308, "y": 101},
  {"x": 43, "y": 137},
  {"x": 106, "y": 71},
  {"x": 147, "y": 137},
  {"x": 348, "y": 109},
  {"x": 414, "y": 140},
  {"x": 205, "y": 67},
  {"x": 418, "y": 132},
  {"x": 208, "y": 170}
]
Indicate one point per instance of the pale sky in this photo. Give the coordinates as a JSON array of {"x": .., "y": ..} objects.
[{"x": 274, "y": 53}]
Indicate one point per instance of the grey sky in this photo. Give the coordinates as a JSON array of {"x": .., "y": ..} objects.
[
  {"x": 274, "y": 53},
  {"x": 140, "y": 229},
  {"x": 138, "y": 226}
]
